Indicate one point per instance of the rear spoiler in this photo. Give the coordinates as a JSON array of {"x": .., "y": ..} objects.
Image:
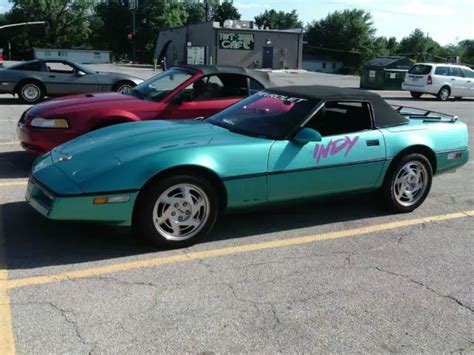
[{"x": 425, "y": 115}]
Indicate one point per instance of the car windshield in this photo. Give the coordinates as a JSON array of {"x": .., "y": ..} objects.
[
  {"x": 265, "y": 114},
  {"x": 158, "y": 87}
]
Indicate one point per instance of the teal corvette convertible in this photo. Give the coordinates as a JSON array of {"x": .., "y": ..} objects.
[{"x": 169, "y": 180}]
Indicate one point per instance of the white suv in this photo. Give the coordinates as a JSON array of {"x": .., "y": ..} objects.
[{"x": 442, "y": 80}]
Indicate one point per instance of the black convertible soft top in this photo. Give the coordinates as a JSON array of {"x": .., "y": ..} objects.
[
  {"x": 384, "y": 114},
  {"x": 262, "y": 77}
]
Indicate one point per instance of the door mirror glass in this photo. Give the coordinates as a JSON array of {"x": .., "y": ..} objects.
[{"x": 307, "y": 135}]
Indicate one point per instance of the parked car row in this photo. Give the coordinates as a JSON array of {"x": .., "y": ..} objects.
[
  {"x": 181, "y": 92},
  {"x": 231, "y": 140}
]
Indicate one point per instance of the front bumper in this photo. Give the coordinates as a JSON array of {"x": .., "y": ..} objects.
[
  {"x": 79, "y": 207},
  {"x": 42, "y": 140}
]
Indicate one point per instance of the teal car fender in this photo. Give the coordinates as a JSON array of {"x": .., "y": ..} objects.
[
  {"x": 439, "y": 139},
  {"x": 144, "y": 150}
]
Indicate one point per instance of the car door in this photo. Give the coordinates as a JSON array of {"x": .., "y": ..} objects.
[
  {"x": 207, "y": 96},
  {"x": 349, "y": 157},
  {"x": 458, "y": 82},
  {"x": 62, "y": 78}
]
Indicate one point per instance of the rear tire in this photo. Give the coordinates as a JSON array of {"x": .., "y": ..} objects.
[
  {"x": 176, "y": 211},
  {"x": 444, "y": 93},
  {"x": 415, "y": 95},
  {"x": 407, "y": 183},
  {"x": 31, "y": 92}
]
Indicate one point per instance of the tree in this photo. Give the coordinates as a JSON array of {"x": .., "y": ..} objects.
[
  {"x": 347, "y": 30},
  {"x": 67, "y": 24},
  {"x": 419, "y": 46},
  {"x": 196, "y": 12},
  {"x": 278, "y": 20},
  {"x": 467, "y": 47},
  {"x": 226, "y": 11},
  {"x": 392, "y": 45},
  {"x": 151, "y": 17},
  {"x": 110, "y": 26},
  {"x": 380, "y": 46}
]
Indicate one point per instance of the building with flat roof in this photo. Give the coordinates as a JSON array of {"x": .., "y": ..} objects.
[
  {"x": 82, "y": 56},
  {"x": 236, "y": 43}
]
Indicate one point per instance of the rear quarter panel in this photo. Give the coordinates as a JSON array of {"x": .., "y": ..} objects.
[
  {"x": 440, "y": 137},
  {"x": 12, "y": 77}
]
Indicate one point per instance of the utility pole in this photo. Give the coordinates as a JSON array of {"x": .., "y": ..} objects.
[{"x": 133, "y": 5}]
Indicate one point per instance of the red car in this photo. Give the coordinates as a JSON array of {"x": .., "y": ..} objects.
[{"x": 183, "y": 92}]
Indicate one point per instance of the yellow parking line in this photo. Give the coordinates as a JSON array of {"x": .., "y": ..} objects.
[
  {"x": 7, "y": 340},
  {"x": 12, "y": 183},
  {"x": 246, "y": 248}
]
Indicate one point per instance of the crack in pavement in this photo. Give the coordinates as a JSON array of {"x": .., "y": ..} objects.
[
  {"x": 64, "y": 315},
  {"x": 462, "y": 350},
  {"x": 419, "y": 283}
]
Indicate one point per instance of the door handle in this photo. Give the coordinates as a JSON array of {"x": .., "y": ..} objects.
[
  {"x": 452, "y": 79},
  {"x": 52, "y": 76},
  {"x": 372, "y": 142},
  {"x": 469, "y": 81}
]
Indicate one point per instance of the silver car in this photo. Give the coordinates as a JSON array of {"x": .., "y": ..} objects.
[{"x": 35, "y": 79}]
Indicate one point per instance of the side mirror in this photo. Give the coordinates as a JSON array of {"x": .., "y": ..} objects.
[
  {"x": 80, "y": 73},
  {"x": 307, "y": 135}
]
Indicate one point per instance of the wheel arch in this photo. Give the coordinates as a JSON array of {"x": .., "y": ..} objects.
[
  {"x": 193, "y": 170},
  {"x": 30, "y": 80},
  {"x": 415, "y": 149}
]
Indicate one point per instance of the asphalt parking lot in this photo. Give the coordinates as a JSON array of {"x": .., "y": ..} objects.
[{"x": 331, "y": 276}]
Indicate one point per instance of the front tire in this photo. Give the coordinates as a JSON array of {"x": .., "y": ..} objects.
[
  {"x": 444, "y": 93},
  {"x": 407, "y": 183},
  {"x": 415, "y": 95},
  {"x": 31, "y": 92},
  {"x": 176, "y": 211}
]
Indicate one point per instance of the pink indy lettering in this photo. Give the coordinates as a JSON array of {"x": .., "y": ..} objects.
[{"x": 334, "y": 147}]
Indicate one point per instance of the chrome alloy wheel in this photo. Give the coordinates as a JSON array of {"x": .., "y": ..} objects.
[
  {"x": 181, "y": 212},
  {"x": 410, "y": 183},
  {"x": 124, "y": 89},
  {"x": 31, "y": 92},
  {"x": 444, "y": 94}
]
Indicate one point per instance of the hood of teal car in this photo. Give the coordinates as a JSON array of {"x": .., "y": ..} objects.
[{"x": 102, "y": 150}]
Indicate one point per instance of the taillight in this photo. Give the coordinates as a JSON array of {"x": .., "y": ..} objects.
[{"x": 429, "y": 81}]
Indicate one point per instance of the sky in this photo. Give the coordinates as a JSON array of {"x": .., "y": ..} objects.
[{"x": 446, "y": 21}]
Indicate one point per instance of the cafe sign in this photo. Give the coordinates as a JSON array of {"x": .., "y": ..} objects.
[{"x": 232, "y": 40}]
